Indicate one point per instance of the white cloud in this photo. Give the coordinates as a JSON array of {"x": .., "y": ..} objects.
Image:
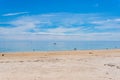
[
  {"x": 82, "y": 36},
  {"x": 14, "y": 14},
  {"x": 118, "y": 19},
  {"x": 62, "y": 26},
  {"x": 107, "y": 24},
  {"x": 62, "y": 30}
]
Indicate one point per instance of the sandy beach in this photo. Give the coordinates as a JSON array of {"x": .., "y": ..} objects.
[{"x": 61, "y": 65}]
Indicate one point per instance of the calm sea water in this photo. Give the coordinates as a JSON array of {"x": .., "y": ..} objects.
[{"x": 23, "y": 46}]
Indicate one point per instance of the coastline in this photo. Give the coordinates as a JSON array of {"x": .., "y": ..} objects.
[
  {"x": 61, "y": 65},
  {"x": 70, "y": 52}
]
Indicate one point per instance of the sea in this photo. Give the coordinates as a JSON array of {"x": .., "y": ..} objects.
[{"x": 28, "y": 46}]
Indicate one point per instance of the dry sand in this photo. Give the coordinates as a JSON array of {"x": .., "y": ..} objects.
[{"x": 63, "y": 65}]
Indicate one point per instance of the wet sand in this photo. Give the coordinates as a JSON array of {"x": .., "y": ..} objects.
[{"x": 61, "y": 65}]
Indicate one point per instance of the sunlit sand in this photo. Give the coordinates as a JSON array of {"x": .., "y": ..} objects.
[{"x": 61, "y": 65}]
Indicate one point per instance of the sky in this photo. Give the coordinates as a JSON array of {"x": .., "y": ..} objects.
[{"x": 60, "y": 20}]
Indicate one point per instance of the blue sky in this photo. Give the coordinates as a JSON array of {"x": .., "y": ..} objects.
[{"x": 60, "y": 20}]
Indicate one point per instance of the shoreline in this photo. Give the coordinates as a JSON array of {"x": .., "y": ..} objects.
[
  {"x": 51, "y": 53},
  {"x": 62, "y": 50}
]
